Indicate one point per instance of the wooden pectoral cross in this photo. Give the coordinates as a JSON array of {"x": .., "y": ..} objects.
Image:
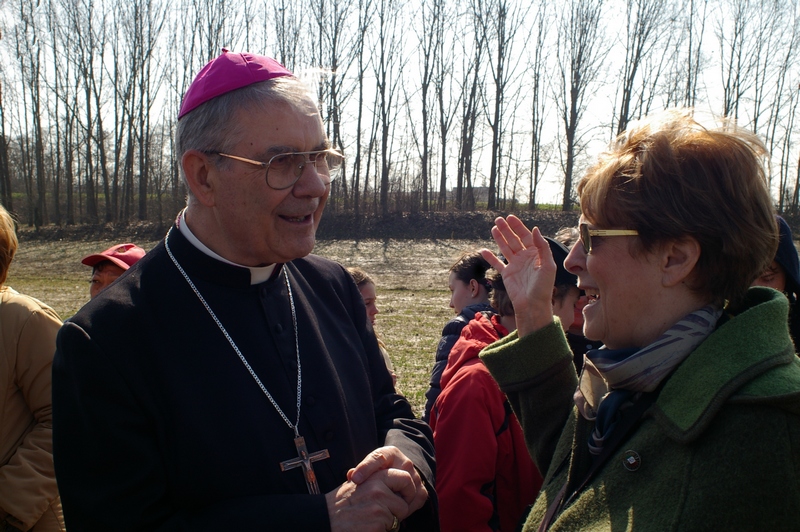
[{"x": 305, "y": 460}]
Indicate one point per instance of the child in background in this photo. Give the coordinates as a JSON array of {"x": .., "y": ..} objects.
[{"x": 366, "y": 286}]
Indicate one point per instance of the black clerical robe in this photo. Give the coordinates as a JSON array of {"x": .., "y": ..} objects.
[{"x": 158, "y": 425}]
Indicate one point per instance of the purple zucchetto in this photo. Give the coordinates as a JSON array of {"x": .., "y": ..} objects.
[{"x": 228, "y": 72}]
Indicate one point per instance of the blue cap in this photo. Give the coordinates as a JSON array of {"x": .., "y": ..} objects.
[
  {"x": 786, "y": 256},
  {"x": 560, "y": 253}
]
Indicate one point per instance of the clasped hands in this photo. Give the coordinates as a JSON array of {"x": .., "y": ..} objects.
[{"x": 384, "y": 485}]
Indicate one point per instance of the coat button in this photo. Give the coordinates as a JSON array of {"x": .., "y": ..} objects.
[
  {"x": 278, "y": 328},
  {"x": 329, "y": 435},
  {"x": 631, "y": 460}
]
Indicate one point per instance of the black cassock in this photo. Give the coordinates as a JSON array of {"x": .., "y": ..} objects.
[{"x": 158, "y": 424}]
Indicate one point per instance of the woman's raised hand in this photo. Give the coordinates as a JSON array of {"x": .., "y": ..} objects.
[{"x": 528, "y": 275}]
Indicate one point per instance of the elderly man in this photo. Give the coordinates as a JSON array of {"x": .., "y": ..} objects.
[
  {"x": 230, "y": 381},
  {"x": 108, "y": 265}
]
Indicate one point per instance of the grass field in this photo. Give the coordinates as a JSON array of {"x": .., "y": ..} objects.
[{"x": 411, "y": 277}]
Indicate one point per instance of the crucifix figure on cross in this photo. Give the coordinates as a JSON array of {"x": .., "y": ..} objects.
[{"x": 305, "y": 460}]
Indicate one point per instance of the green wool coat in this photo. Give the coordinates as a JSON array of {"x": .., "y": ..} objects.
[{"x": 718, "y": 450}]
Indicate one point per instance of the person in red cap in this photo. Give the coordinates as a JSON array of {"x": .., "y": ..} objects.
[
  {"x": 230, "y": 379},
  {"x": 108, "y": 265}
]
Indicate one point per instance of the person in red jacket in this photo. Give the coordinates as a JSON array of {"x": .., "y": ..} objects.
[{"x": 485, "y": 476}]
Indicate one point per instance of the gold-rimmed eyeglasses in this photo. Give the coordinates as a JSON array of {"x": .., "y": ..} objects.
[
  {"x": 587, "y": 234},
  {"x": 284, "y": 169}
]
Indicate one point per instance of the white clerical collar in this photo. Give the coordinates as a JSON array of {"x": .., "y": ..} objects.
[{"x": 258, "y": 274}]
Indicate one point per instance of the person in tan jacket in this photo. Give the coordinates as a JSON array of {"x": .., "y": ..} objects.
[{"x": 28, "y": 493}]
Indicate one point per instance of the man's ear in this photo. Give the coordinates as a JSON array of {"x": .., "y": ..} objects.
[
  {"x": 679, "y": 257},
  {"x": 196, "y": 167}
]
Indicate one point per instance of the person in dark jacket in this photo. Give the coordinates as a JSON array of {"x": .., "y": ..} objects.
[
  {"x": 783, "y": 274},
  {"x": 469, "y": 295},
  {"x": 229, "y": 380}
]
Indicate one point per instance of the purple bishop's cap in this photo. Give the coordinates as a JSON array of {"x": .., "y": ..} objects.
[{"x": 228, "y": 72}]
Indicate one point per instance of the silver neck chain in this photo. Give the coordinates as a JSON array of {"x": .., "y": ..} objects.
[{"x": 236, "y": 348}]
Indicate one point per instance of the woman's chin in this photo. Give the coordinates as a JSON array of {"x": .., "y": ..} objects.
[{"x": 593, "y": 330}]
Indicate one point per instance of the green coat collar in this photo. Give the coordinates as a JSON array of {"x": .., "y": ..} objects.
[{"x": 749, "y": 358}]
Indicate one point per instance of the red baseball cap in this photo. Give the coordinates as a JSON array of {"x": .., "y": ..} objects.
[
  {"x": 228, "y": 72},
  {"x": 123, "y": 255}
]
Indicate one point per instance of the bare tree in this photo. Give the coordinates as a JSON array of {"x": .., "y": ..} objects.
[
  {"x": 56, "y": 148},
  {"x": 769, "y": 37},
  {"x": 29, "y": 49},
  {"x": 696, "y": 23},
  {"x": 94, "y": 76},
  {"x": 289, "y": 26},
  {"x": 499, "y": 21},
  {"x": 362, "y": 61},
  {"x": 81, "y": 18},
  {"x": 735, "y": 52},
  {"x": 687, "y": 60},
  {"x": 782, "y": 88},
  {"x": 654, "y": 71},
  {"x": 148, "y": 21},
  {"x": 387, "y": 65},
  {"x": 446, "y": 97},
  {"x": 786, "y": 159},
  {"x": 644, "y": 20},
  {"x": 333, "y": 43},
  {"x": 580, "y": 53},
  {"x": 5, "y": 169},
  {"x": 66, "y": 87},
  {"x": 135, "y": 30},
  {"x": 538, "y": 69},
  {"x": 471, "y": 87},
  {"x": 428, "y": 40}
]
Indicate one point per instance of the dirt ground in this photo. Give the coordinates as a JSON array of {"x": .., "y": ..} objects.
[{"x": 401, "y": 264}]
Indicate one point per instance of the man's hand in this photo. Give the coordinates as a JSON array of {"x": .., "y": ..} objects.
[
  {"x": 392, "y": 459},
  {"x": 383, "y": 486},
  {"x": 371, "y": 505}
]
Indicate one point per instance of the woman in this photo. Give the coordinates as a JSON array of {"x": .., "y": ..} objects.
[
  {"x": 689, "y": 417},
  {"x": 469, "y": 294},
  {"x": 28, "y": 493},
  {"x": 366, "y": 287},
  {"x": 485, "y": 477}
]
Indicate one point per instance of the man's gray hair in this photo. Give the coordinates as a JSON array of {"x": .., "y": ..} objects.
[{"x": 212, "y": 127}]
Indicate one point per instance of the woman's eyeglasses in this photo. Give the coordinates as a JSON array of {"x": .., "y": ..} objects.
[{"x": 587, "y": 234}]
